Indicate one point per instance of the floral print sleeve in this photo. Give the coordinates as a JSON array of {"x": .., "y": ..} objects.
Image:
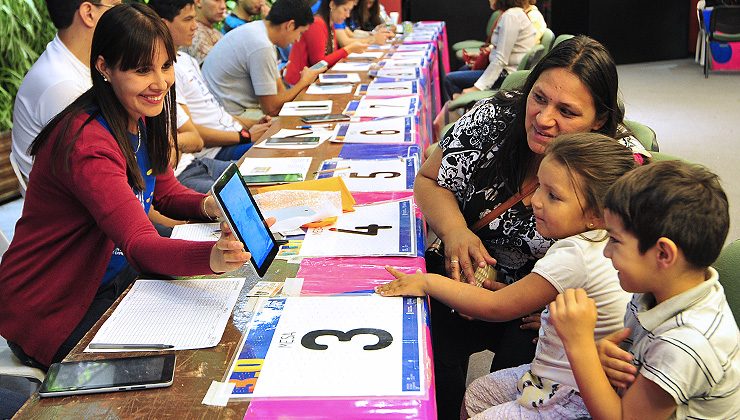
[
  {"x": 474, "y": 141},
  {"x": 464, "y": 143}
]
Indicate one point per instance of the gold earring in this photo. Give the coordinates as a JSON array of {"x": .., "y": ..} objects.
[{"x": 590, "y": 226}]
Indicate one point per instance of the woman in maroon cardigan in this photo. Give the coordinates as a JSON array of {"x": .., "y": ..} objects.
[
  {"x": 319, "y": 41},
  {"x": 99, "y": 165}
]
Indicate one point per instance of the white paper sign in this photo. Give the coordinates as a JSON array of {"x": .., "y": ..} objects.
[
  {"x": 333, "y": 346},
  {"x": 384, "y": 229},
  {"x": 392, "y": 89},
  {"x": 383, "y": 131},
  {"x": 393, "y": 107},
  {"x": 372, "y": 175},
  {"x": 298, "y": 108}
]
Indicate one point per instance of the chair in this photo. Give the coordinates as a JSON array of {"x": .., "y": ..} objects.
[
  {"x": 728, "y": 266},
  {"x": 472, "y": 44},
  {"x": 560, "y": 39},
  {"x": 4, "y": 243},
  {"x": 513, "y": 81},
  {"x": 724, "y": 26},
  {"x": 532, "y": 57},
  {"x": 10, "y": 366},
  {"x": 548, "y": 37},
  {"x": 18, "y": 174},
  {"x": 644, "y": 134}
]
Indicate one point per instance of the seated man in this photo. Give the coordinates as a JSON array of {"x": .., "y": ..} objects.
[
  {"x": 224, "y": 138},
  {"x": 59, "y": 76},
  {"x": 244, "y": 12},
  {"x": 208, "y": 13},
  {"x": 241, "y": 70}
]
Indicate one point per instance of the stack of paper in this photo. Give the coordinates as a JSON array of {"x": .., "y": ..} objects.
[
  {"x": 329, "y": 89},
  {"x": 184, "y": 314},
  {"x": 352, "y": 66},
  {"x": 393, "y": 107},
  {"x": 287, "y": 133},
  {"x": 371, "y": 55},
  {"x": 392, "y": 89}
]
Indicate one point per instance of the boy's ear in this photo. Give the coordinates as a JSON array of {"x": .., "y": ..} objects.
[{"x": 666, "y": 252}]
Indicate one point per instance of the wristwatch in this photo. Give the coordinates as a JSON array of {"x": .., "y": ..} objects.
[{"x": 244, "y": 136}]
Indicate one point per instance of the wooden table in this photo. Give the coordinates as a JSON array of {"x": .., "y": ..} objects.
[{"x": 195, "y": 369}]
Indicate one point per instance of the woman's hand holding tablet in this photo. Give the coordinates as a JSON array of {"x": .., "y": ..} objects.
[{"x": 244, "y": 223}]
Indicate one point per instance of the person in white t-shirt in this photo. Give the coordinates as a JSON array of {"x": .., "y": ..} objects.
[
  {"x": 225, "y": 137},
  {"x": 574, "y": 175},
  {"x": 59, "y": 76}
]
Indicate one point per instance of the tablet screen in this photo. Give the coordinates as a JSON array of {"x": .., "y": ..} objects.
[{"x": 245, "y": 218}]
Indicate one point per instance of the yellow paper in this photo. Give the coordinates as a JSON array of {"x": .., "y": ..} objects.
[{"x": 324, "y": 184}]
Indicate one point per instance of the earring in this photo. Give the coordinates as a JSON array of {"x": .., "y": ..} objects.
[{"x": 590, "y": 225}]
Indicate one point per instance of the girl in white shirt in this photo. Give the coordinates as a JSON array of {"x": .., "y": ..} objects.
[{"x": 574, "y": 175}]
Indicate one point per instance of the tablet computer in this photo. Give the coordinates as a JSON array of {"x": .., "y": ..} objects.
[
  {"x": 244, "y": 218},
  {"x": 108, "y": 375}
]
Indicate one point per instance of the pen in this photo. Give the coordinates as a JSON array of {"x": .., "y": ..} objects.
[
  {"x": 312, "y": 106},
  {"x": 114, "y": 346},
  {"x": 314, "y": 126},
  {"x": 295, "y": 135},
  {"x": 326, "y": 171}
]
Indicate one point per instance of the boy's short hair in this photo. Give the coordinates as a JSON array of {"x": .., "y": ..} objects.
[
  {"x": 285, "y": 10},
  {"x": 62, "y": 12},
  {"x": 169, "y": 9},
  {"x": 680, "y": 201}
]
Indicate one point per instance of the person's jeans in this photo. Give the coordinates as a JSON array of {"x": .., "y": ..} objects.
[
  {"x": 202, "y": 173},
  {"x": 232, "y": 152},
  {"x": 456, "y": 81}
]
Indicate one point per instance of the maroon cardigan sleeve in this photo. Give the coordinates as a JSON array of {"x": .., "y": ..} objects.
[{"x": 101, "y": 185}]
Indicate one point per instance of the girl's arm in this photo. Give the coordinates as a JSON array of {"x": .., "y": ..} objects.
[
  {"x": 442, "y": 212},
  {"x": 573, "y": 314},
  {"x": 523, "y": 297}
]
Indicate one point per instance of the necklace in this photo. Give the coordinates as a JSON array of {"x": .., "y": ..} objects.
[{"x": 138, "y": 134}]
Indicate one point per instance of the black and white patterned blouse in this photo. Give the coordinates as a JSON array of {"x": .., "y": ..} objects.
[{"x": 511, "y": 238}]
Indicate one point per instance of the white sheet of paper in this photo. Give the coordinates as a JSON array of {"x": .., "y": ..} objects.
[
  {"x": 329, "y": 89},
  {"x": 393, "y": 107},
  {"x": 400, "y": 73},
  {"x": 275, "y": 166},
  {"x": 298, "y": 365},
  {"x": 366, "y": 54},
  {"x": 339, "y": 78},
  {"x": 403, "y": 63},
  {"x": 383, "y": 229},
  {"x": 377, "y": 47},
  {"x": 201, "y": 232},
  {"x": 391, "y": 89},
  {"x": 410, "y": 54},
  {"x": 352, "y": 66},
  {"x": 188, "y": 314},
  {"x": 323, "y": 135},
  {"x": 298, "y": 108},
  {"x": 412, "y": 47},
  {"x": 373, "y": 174},
  {"x": 384, "y": 131}
]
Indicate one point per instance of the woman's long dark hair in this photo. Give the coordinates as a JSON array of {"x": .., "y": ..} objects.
[
  {"x": 367, "y": 18},
  {"x": 126, "y": 37},
  {"x": 592, "y": 64},
  {"x": 325, "y": 13}
]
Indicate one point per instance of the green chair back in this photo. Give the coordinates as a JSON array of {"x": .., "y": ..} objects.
[
  {"x": 644, "y": 134},
  {"x": 491, "y": 21},
  {"x": 515, "y": 80},
  {"x": 728, "y": 266},
  {"x": 532, "y": 57},
  {"x": 561, "y": 38},
  {"x": 548, "y": 37}
]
